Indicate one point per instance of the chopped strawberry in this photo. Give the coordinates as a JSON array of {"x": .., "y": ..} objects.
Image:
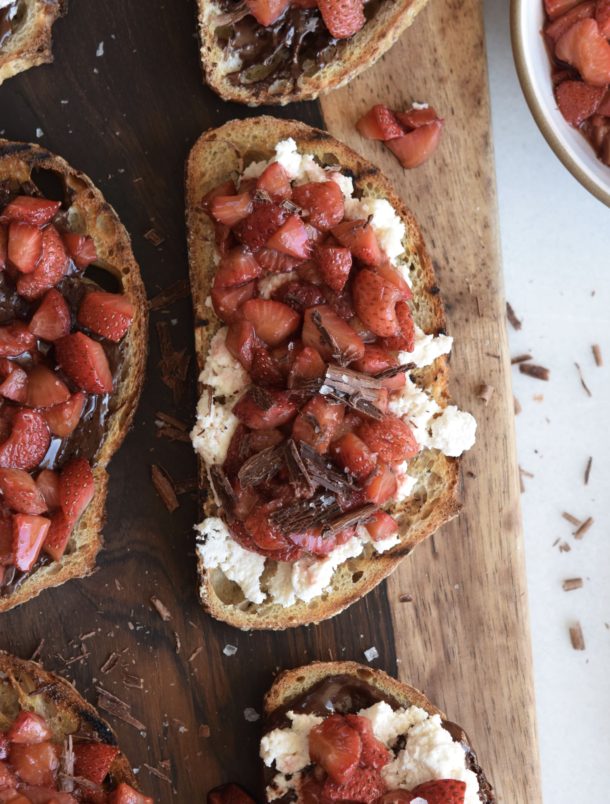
[
  {"x": 335, "y": 264},
  {"x": 352, "y": 454},
  {"x": 317, "y": 423},
  {"x": 51, "y": 267},
  {"x": 312, "y": 541},
  {"x": 81, "y": 249},
  {"x": 602, "y": 15},
  {"x": 380, "y": 527},
  {"x": 299, "y": 295},
  {"x": 379, "y": 123},
  {"x": 35, "y": 764},
  {"x": 20, "y": 492},
  {"x": 24, "y": 246},
  {"x": 29, "y": 533},
  {"x": 275, "y": 262},
  {"x": 390, "y": 274},
  {"x": 322, "y": 202},
  {"x": 27, "y": 443},
  {"x": 263, "y": 532},
  {"x": 84, "y": 362},
  {"x": 275, "y": 182},
  {"x": 416, "y": 118},
  {"x": 227, "y": 301},
  {"x": 343, "y": 18},
  {"x": 125, "y": 794},
  {"x": 365, "y": 785},
  {"x": 336, "y": 747},
  {"x": 15, "y": 339},
  {"x": 291, "y": 238},
  {"x": 578, "y": 101},
  {"x": 556, "y": 29},
  {"x": 377, "y": 360},
  {"x": 360, "y": 238},
  {"x": 58, "y": 536},
  {"x": 441, "y": 791},
  {"x": 555, "y": 8},
  {"x": 76, "y": 488},
  {"x": 261, "y": 411},
  {"x": 231, "y": 209},
  {"x": 584, "y": 47},
  {"x": 14, "y": 381},
  {"x": 28, "y": 209},
  {"x": 375, "y": 302},
  {"x": 266, "y": 12},
  {"x": 45, "y": 389},
  {"x": 273, "y": 321},
  {"x": 391, "y": 438},
  {"x": 604, "y": 107},
  {"x": 106, "y": 314},
  {"x": 255, "y": 230},
  {"x": 262, "y": 439},
  {"x": 241, "y": 341},
  {"x": 3, "y": 246},
  {"x": 64, "y": 418},
  {"x": 264, "y": 370},
  {"x": 224, "y": 188},
  {"x": 8, "y": 781},
  {"x": 47, "y": 483},
  {"x": 93, "y": 760},
  {"x": 52, "y": 319},
  {"x": 381, "y": 485},
  {"x": 307, "y": 365},
  {"x": 415, "y": 147},
  {"x": 331, "y": 335},
  {"x": 405, "y": 340},
  {"x": 309, "y": 272},
  {"x": 374, "y": 753},
  {"x": 229, "y": 794}
]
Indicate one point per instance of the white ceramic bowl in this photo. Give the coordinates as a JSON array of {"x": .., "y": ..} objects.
[{"x": 534, "y": 70}]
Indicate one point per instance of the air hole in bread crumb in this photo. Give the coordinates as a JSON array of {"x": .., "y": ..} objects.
[
  {"x": 51, "y": 184},
  {"x": 357, "y": 576},
  {"x": 104, "y": 278}
]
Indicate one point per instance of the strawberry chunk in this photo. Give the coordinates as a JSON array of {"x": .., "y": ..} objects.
[
  {"x": 267, "y": 536},
  {"x": 275, "y": 262},
  {"x": 343, "y": 18},
  {"x": 375, "y": 302},
  {"x": 405, "y": 340},
  {"x": 335, "y": 265},
  {"x": 352, "y": 454},
  {"x": 236, "y": 267},
  {"x": 322, "y": 203},
  {"x": 8, "y": 780},
  {"x": 318, "y": 422},
  {"x": 416, "y": 118},
  {"x": 381, "y": 485},
  {"x": 93, "y": 760},
  {"x": 45, "y": 389},
  {"x": 84, "y": 362},
  {"x": 76, "y": 488},
  {"x": 27, "y": 443},
  {"x": 389, "y": 273},
  {"x": 266, "y": 12},
  {"x": 52, "y": 319},
  {"x": 263, "y": 411},
  {"x": 556, "y": 29},
  {"x": 602, "y": 16},
  {"x": 20, "y": 492},
  {"x": 51, "y": 267},
  {"x": 584, "y": 47},
  {"x": 47, "y": 483},
  {"x": 292, "y": 239},
  {"x": 330, "y": 335},
  {"x": 273, "y": 321},
  {"x": 231, "y": 209},
  {"x": 374, "y": 753},
  {"x": 377, "y": 360},
  {"x": 3, "y": 246},
  {"x": 228, "y": 301},
  {"x": 441, "y": 791},
  {"x": 264, "y": 370},
  {"x": 415, "y": 147},
  {"x": 275, "y": 182},
  {"x": 29, "y": 533},
  {"x": 255, "y": 230},
  {"x": 28, "y": 209},
  {"x": 307, "y": 365},
  {"x": 81, "y": 249},
  {"x": 381, "y": 526},
  {"x": 391, "y": 438},
  {"x": 125, "y": 794},
  {"x": 58, "y": 536},
  {"x": 24, "y": 246},
  {"x": 336, "y": 747},
  {"x": 365, "y": 785},
  {"x": 555, "y": 8},
  {"x": 106, "y": 314},
  {"x": 578, "y": 101},
  {"x": 224, "y": 188},
  {"x": 14, "y": 381},
  {"x": 15, "y": 339},
  {"x": 360, "y": 238},
  {"x": 229, "y": 794},
  {"x": 36, "y": 764},
  {"x": 241, "y": 341},
  {"x": 299, "y": 295},
  {"x": 63, "y": 419},
  {"x": 379, "y": 123}
]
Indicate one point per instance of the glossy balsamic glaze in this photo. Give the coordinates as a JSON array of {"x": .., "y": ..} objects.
[{"x": 8, "y": 20}]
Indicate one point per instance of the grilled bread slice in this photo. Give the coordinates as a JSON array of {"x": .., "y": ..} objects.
[
  {"x": 29, "y": 42},
  {"x": 349, "y": 57},
  {"x": 21, "y": 165},
  {"x": 218, "y": 155}
]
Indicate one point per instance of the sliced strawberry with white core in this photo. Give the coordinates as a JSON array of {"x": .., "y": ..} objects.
[
  {"x": 63, "y": 419},
  {"x": 330, "y": 335},
  {"x": 28, "y": 728},
  {"x": 29, "y": 533},
  {"x": 273, "y": 321},
  {"x": 27, "y": 443},
  {"x": 106, "y": 314},
  {"x": 45, "y": 389},
  {"x": 236, "y": 267},
  {"x": 230, "y": 209},
  {"x": 379, "y": 123},
  {"x": 15, "y": 339},
  {"x": 84, "y": 362},
  {"x": 322, "y": 203},
  {"x": 14, "y": 381},
  {"x": 29, "y": 209},
  {"x": 20, "y": 492},
  {"x": 76, "y": 488},
  {"x": 360, "y": 238},
  {"x": 24, "y": 246},
  {"x": 52, "y": 319},
  {"x": 47, "y": 483},
  {"x": 50, "y": 268},
  {"x": 81, "y": 249},
  {"x": 292, "y": 239}
]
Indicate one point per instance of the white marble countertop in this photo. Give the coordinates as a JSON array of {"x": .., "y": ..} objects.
[{"x": 556, "y": 253}]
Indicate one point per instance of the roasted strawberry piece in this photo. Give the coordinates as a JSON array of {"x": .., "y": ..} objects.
[
  {"x": 307, "y": 365},
  {"x": 45, "y": 389},
  {"x": 224, "y": 188},
  {"x": 391, "y": 438},
  {"x": 227, "y": 301},
  {"x": 275, "y": 262},
  {"x": 584, "y": 47},
  {"x": 309, "y": 272},
  {"x": 246, "y": 500},
  {"x": 64, "y": 418},
  {"x": 556, "y": 29},
  {"x": 335, "y": 264},
  {"x": 555, "y": 8},
  {"x": 84, "y": 362},
  {"x": 365, "y": 785},
  {"x": 262, "y": 409},
  {"x": 379, "y": 123},
  {"x": 416, "y": 118},
  {"x": 93, "y": 760},
  {"x": 352, "y": 454},
  {"x": 125, "y": 794},
  {"x": 27, "y": 443},
  {"x": 390, "y": 274},
  {"x": 405, "y": 340},
  {"x": 264, "y": 371},
  {"x": 8, "y": 781},
  {"x": 255, "y": 230},
  {"x": 58, "y": 536},
  {"x": 14, "y": 381},
  {"x": 264, "y": 533},
  {"x": 241, "y": 341},
  {"x": 292, "y": 239},
  {"x": 313, "y": 542},
  {"x": 273, "y": 321},
  {"x": 360, "y": 238},
  {"x": 321, "y": 202},
  {"x": 343, "y": 18},
  {"x": 275, "y": 182},
  {"x": 375, "y": 302},
  {"x": 52, "y": 265},
  {"x": 578, "y": 101},
  {"x": 381, "y": 485},
  {"x": 381, "y": 526},
  {"x": 602, "y": 16},
  {"x": 28, "y": 209},
  {"x": 336, "y": 747},
  {"x": 29, "y": 533},
  {"x": 441, "y": 791},
  {"x": 15, "y": 339},
  {"x": 374, "y": 753},
  {"x": 223, "y": 237},
  {"x": 20, "y": 492},
  {"x": 81, "y": 249},
  {"x": 318, "y": 422},
  {"x": 35, "y": 764},
  {"x": 377, "y": 360},
  {"x": 229, "y": 794},
  {"x": 52, "y": 319},
  {"x": 3, "y": 246},
  {"x": 47, "y": 483},
  {"x": 299, "y": 295},
  {"x": 315, "y": 235},
  {"x": 106, "y": 314},
  {"x": 230, "y": 209},
  {"x": 331, "y": 335},
  {"x": 266, "y": 12},
  {"x": 28, "y": 728},
  {"x": 24, "y": 246},
  {"x": 415, "y": 147},
  {"x": 76, "y": 488}
]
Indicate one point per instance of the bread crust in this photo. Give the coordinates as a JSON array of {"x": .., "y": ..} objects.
[
  {"x": 353, "y": 56},
  {"x": 90, "y": 214},
  {"x": 64, "y": 709},
  {"x": 217, "y": 155},
  {"x": 30, "y": 44}
]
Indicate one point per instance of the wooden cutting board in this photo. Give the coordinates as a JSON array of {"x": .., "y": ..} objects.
[{"x": 128, "y": 119}]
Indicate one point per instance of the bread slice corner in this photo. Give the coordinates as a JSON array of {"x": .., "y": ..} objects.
[{"x": 30, "y": 43}]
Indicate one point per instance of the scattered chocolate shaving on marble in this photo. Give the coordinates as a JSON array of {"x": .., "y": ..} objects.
[
  {"x": 582, "y": 380},
  {"x": 222, "y": 488},
  {"x": 174, "y": 363},
  {"x": 37, "y": 651},
  {"x": 153, "y": 236},
  {"x": 156, "y": 773},
  {"x": 393, "y": 371},
  {"x": 350, "y": 518},
  {"x": 572, "y": 519},
  {"x": 576, "y": 637},
  {"x": 177, "y": 642},
  {"x": 164, "y": 487},
  {"x": 517, "y": 406},
  {"x": 110, "y": 663},
  {"x": 485, "y": 393},
  {"x": 406, "y": 598},
  {"x": 520, "y": 359},
  {"x": 572, "y": 583},
  {"x": 323, "y": 473},
  {"x": 168, "y": 296},
  {"x": 535, "y": 371},
  {"x": 578, "y": 534},
  {"x": 588, "y": 470},
  {"x": 262, "y": 466},
  {"x": 161, "y": 608},
  {"x": 512, "y": 317},
  {"x": 597, "y": 354}
]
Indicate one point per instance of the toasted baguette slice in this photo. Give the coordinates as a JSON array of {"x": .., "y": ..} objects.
[
  {"x": 90, "y": 214},
  {"x": 293, "y": 684},
  {"x": 24, "y": 685},
  {"x": 351, "y": 57},
  {"x": 217, "y": 155},
  {"x": 30, "y": 42}
]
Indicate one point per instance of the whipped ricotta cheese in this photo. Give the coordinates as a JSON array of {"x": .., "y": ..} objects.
[{"x": 429, "y": 751}]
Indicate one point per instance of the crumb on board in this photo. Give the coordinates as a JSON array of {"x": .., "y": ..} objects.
[
  {"x": 229, "y": 650},
  {"x": 371, "y": 654},
  {"x": 251, "y": 715}
]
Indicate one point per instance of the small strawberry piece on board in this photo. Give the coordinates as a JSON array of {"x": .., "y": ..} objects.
[
  {"x": 322, "y": 203},
  {"x": 417, "y": 117},
  {"x": 76, "y": 488},
  {"x": 379, "y": 123},
  {"x": 29, "y": 533},
  {"x": 292, "y": 239},
  {"x": 45, "y": 389},
  {"x": 14, "y": 381},
  {"x": 15, "y": 339},
  {"x": 365, "y": 785},
  {"x": 275, "y": 182},
  {"x": 28, "y": 209},
  {"x": 415, "y": 147},
  {"x": 24, "y": 246},
  {"x": 360, "y": 238},
  {"x": 273, "y": 321},
  {"x": 266, "y": 12},
  {"x": 336, "y": 747},
  {"x": 51, "y": 266},
  {"x": 47, "y": 483},
  {"x": 106, "y": 314},
  {"x": 28, "y": 728},
  {"x": 52, "y": 319},
  {"x": 584, "y": 47},
  {"x": 556, "y": 29},
  {"x": 93, "y": 760},
  {"x": 64, "y": 418},
  {"x": 578, "y": 101},
  {"x": 81, "y": 249},
  {"x": 84, "y": 362},
  {"x": 125, "y": 794},
  {"x": 231, "y": 209},
  {"x": 27, "y": 443},
  {"x": 58, "y": 536},
  {"x": 335, "y": 264},
  {"x": 441, "y": 791},
  {"x": 20, "y": 492},
  {"x": 229, "y": 794},
  {"x": 343, "y": 18}
]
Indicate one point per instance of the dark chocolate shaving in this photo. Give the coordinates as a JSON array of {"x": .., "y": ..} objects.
[
  {"x": 222, "y": 488},
  {"x": 262, "y": 466},
  {"x": 359, "y": 391},
  {"x": 350, "y": 518},
  {"x": 394, "y": 370},
  {"x": 261, "y": 397},
  {"x": 322, "y": 472},
  {"x": 329, "y": 340},
  {"x": 305, "y": 514},
  {"x": 297, "y": 471}
]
